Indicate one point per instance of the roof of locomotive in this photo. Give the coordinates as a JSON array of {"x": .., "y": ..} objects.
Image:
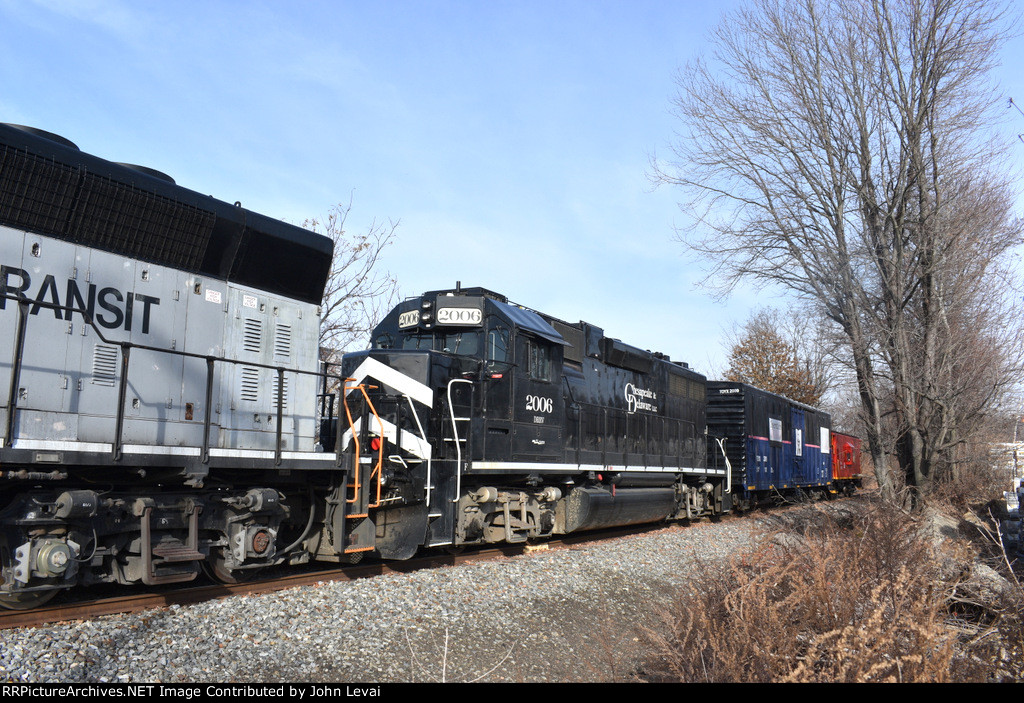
[
  {"x": 579, "y": 339},
  {"x": 476, "y": 298},
  {"x": 50, "y": 187}
]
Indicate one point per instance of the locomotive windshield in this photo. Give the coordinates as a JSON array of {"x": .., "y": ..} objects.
[
  {"x": 461, "y": 343},
  {"x": 492, "y": 346}
]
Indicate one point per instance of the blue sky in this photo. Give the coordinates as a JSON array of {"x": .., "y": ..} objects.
[{"x": 511, "y": 139}]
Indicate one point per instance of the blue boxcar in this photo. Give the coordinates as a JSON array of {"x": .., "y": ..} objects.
[{"x": 775, "y": 446}]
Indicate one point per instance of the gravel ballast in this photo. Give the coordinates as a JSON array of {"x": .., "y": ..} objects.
[{"x": 568, "y": 614}]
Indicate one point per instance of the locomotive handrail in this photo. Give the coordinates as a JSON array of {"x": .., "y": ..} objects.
[
  {"x": 122, "y": 391},
  {"x": 646, "y": 455},
  {"x": 280, "y": 415},
  {"x": 378, "y": 470},
  {"x": 19, "y": 346},
  {"x": 455, "y": 430},
  {"x": 206, "y": 416},
  {"x": 326, "y": 401},
  {"x": 355, "y": 437},
  {"x": 728, "y": 464},
  {"x": 126, "y": 347},
  {"x": 423, "y": 437}
]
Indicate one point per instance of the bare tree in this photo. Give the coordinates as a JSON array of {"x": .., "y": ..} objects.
[
  {"x": 358, "y": 292},
  {"x": 836, "y": 149},
  {"x": 771, "y": 353}
]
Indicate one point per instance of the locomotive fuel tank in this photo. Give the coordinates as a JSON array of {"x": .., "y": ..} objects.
[{"x": 593, "y": 508}]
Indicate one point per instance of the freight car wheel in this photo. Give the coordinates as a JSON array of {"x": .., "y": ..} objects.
[{"x": 26, "y": 601}]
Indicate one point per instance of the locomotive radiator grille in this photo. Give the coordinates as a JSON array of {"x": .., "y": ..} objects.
[
  {"x": 35, "y": 194},
  {"x": 40, "y": 195}
]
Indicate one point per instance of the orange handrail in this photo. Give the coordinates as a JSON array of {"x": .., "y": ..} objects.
[
  {"x": 355, "y": 435},
  {"x": 378, "y": 469}
]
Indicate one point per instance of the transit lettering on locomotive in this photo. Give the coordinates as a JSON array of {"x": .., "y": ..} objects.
[{"x": 120, "y": 306}]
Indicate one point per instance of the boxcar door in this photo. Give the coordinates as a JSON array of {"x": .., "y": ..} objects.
[{"x": 800, "y": 459}]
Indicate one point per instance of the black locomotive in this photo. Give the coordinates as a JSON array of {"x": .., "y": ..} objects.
[
  {"x": 162, "y": 379},
  {"x": 507, "y": 425}
]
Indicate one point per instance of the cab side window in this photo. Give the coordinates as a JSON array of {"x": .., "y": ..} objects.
[
  {"x": 497, "y": 345},
  {"x": 539, "y": 360}
]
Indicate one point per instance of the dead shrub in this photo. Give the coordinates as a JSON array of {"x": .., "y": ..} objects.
[
  {"x": 974, "y": 481},
  {"x": 864, "y": 599}
]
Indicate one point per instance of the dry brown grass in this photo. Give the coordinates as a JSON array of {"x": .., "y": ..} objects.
[{"x": 862, "y": 598}]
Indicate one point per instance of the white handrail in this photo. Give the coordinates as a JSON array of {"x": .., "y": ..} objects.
[
  {"x": 423, "y": 438},
  {"x": 455, "y": 434},
  {"x": 728, "y": 464}
]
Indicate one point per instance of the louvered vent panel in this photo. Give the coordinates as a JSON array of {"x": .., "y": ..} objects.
[
  {"x": 250, "y": 389},
  {"x": 574, "y": 336},
  {"x": 68, "y": 202},
  {"x": 252, "y": 335},
  {"x": 104, "y": 365},
  {"x": 283, "y": 342}
]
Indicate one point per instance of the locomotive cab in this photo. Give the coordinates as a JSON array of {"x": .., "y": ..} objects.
[
  {"x": 510, "y": 356},
  {"x": 460, "y": 384}
]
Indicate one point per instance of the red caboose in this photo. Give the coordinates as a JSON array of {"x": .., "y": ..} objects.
[{"x": 845, "y": 462}]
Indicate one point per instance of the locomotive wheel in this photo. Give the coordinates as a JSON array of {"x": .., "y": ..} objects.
[
  {"x": 26, "y": 601},
  {"x": 216, "y": 570}
]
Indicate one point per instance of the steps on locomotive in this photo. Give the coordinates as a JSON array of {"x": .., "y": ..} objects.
[
  {"x": 170, "y": 560},
  {"x": 360, "y": 530},
  {"x": 357, "y": 530},
  {"x": 460, "y": 440},
  {"x": 441, "y": 511}
]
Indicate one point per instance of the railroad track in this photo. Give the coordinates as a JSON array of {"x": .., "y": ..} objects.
[{"x": 189, "y": 595}]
